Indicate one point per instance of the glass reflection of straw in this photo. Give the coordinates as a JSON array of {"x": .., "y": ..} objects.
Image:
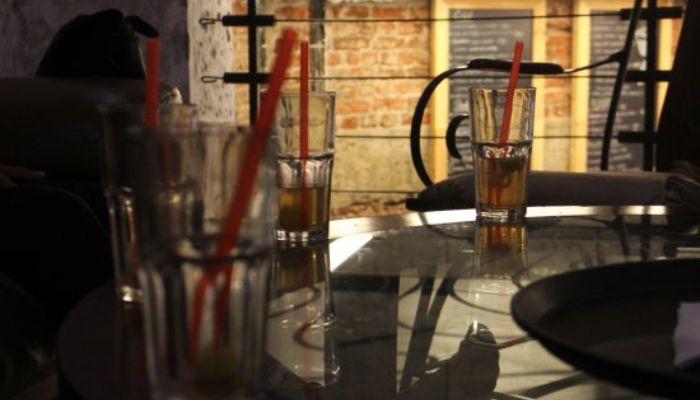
[
  {"x": 241, "y": 199},
  {"x": 304, "y": 129},
  {"x": 508, "y": 107}
]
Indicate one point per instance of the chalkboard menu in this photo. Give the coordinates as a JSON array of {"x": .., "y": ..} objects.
[
  {"x": 608, "y": 36},
  {"x": 489, "y": 38}
]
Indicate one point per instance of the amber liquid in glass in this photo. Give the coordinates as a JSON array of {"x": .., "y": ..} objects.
[
  {"x": 501, "y": 175},
  {"x": 315, "y": 213},
  {"x": 299, "y": 267}
]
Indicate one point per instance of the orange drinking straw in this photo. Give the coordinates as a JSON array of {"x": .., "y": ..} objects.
[
  {"x": 304, "y": 129},
  {"x": 512, "y": 82},
  {"x": 239, "y": 203},
  {"x": 152, "y": 80},
  {"x": 508, "y": 107}
]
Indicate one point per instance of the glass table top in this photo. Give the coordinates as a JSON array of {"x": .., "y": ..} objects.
[
  {"x": 415, "y": 306},
  {"x": 423, "y": 311}
]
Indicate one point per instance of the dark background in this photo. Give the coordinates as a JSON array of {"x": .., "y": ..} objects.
[{"x": 27, "y": 27}]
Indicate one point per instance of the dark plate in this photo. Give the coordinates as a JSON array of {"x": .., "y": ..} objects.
[{"x": 616, "y": 322}]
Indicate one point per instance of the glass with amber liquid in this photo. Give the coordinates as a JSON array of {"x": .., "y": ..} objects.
[
  {"x": 501, "y": 156},
  {"x": 501, "y": 179},
  {"x": 304, "y": 167}
]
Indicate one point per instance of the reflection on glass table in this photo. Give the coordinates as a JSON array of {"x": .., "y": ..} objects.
[
  {"x": 445, "y": 294},
  {"x": 414, "y": 307}
]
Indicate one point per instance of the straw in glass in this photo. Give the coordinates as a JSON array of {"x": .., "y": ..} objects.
[
  {"x": 508, "y": 111},
  {"x": 304, "y": 129},
  {"x": 241, "y": 198}
]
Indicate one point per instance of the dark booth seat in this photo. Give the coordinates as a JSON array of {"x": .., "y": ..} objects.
[
  {"x": 51, "y": 124},
  {"x": 547, "y": 188},
  {"x": 54, "y": 247}
]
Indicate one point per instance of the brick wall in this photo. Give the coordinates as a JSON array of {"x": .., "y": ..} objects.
[
  {"x": 373, "y": 116},
  {"x": 375, "y": 113},
  {"x": 558, "y": 91},
  {"x": 373, "y": 108}
]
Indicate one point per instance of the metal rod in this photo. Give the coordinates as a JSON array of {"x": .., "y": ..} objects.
[
  {"x": 428, "y": 20},
  {"x": 252, "y": 64},
  {"x": 620, "y": 80},
  {"x": 650, "y": 85}
]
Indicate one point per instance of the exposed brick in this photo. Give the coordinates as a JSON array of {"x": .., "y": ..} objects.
[
  {"x": 409, "y": 86},
  {"x": 333, "y": 58},
  {"x": 369, "y": 121},
  {"x": 388, "y": 58},
  {"x": 420, "y": 12},
  {"x": 393, "y": 103},
  {"x": 295, "y": 12},
  {"x": 418, "y": 42},
  {"x": 386, "y": 106},
  {"x": 389, "y": 70},
  {"x": 388, "y": 121},
  {"x": 351, "y": 43},
  {"x": 388, "y": 28},
  {"x": 406, "y": 119},
  {"x": 353, "y": 58},
  {"x": 369, "y": 57},
  {"x": 417, "y": 71},
  {"x": 355, "y": 11},
  {"x": 389, "y": 12},
  {"x": 558, "y": 48},
  {"x": 348, "y": 91},
  {"x": 349, "y": 122},
  {"x": 387, "y": 43},
  {"x": 354, "y": 30},
  {"x": 412, "y": 57},
  {"x": 367, "y": 91},
  {"x": 350, "y": 106},
  {"x": 555, "y": 96},
  {"x": 408, "y": 28}
]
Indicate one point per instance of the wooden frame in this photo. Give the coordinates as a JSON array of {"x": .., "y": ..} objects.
[
  {"x": 439, "y": 43},
  {"x": 581, "y": 56}
]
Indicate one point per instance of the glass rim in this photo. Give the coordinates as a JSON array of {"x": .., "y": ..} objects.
[{"x": 501, "y": 89}]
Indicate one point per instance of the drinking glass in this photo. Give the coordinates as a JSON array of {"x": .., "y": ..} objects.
[
  {"x": 118, "y": 124},
  {"x": 501, "y": 163},
  {"x": 205, "y": 305},
  {"x": 304, "y": 166}
]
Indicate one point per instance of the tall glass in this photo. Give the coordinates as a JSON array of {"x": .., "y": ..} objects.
[
  {"x": 118, "y": 124},
  {"x": 301, "y": 332},
  {"x": 501, "y": 164},
  {"x": 304, "y": 167},
  {"x": 205, "y": 306}
]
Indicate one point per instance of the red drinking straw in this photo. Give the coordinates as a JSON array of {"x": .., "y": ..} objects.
[
  {"x": 152, "y": 80},
  {"x": 508, "y": 107},
  {"x": 512, "y": 82},
  {"x": 304, "y": 130},
  {"x": 239, "y": 203}
]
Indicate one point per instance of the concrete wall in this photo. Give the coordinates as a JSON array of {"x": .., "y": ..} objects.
[{"x": 27, "y": 27}]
